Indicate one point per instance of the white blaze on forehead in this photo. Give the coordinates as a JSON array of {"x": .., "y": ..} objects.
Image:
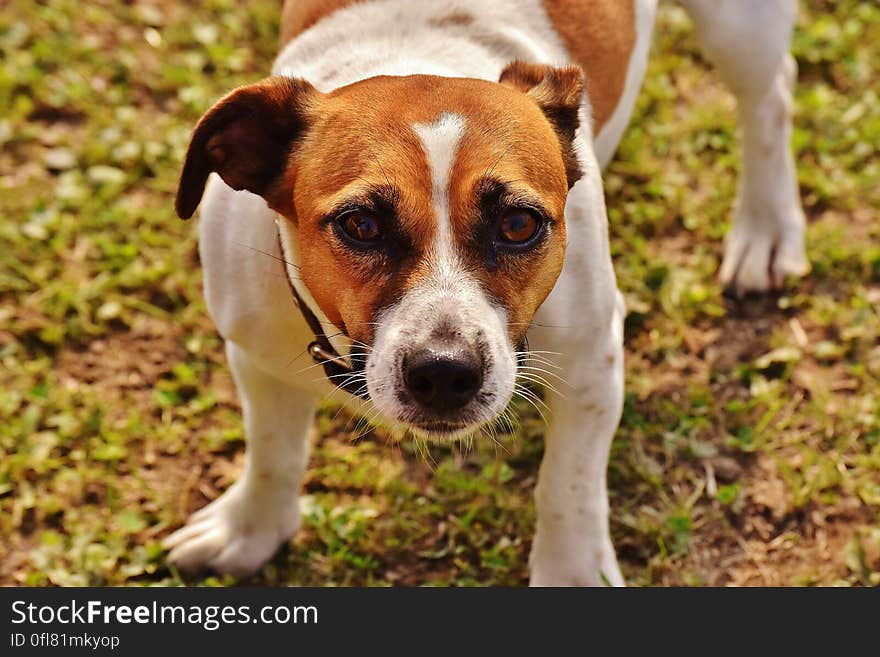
[{"x": 440, "y": 141}]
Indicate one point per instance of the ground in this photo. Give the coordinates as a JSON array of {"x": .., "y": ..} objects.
[{"x": 749, "y": 451}]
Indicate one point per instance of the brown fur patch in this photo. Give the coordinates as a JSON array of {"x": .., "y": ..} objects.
[
  {"x": 360, "y": 143},
  {"x": 558, "y": 92},
  {"x": 494, "y": 146},
  {"x": 364, "y": 139},
  {"x": 600, "y": 36}
]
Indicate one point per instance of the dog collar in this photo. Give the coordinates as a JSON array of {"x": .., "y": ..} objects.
[{"x": 337, "y": 367}]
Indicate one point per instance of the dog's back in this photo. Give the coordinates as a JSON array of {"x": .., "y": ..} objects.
[{"x": 598, "y": 35}]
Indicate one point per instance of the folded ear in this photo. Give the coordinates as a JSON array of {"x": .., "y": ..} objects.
[
  {"x": 558, "y": 91},
  {"x": 247, "y": 138}
]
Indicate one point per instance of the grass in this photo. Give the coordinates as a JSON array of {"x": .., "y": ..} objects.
[{"x": 749, "y": 451}]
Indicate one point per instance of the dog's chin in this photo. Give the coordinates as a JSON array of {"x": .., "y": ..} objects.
[{"x": 444, "y": 431}]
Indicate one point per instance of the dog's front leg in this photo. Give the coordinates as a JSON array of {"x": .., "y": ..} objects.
[
  {"x": 239, "y": 532},
  {"x": 572, "y": 544},
  {"x": 579, "y": 332}
]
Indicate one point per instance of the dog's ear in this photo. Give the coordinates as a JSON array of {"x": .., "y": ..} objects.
[
  {"x": 247, "y": 138},
  {"x": 558, "y": 91}
]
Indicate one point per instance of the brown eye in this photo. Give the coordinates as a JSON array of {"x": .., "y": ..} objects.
[
  {"x": 361, "y": 226},
  {"x": 518, "y": 226}
]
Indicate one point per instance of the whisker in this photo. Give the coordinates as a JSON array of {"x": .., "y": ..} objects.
[
  {"x": 312, "y": 366},
  {"x": 368, "y": 423},
  {"x": 542, "y": 382},
  {"x": 537, "y": 371},
  {"x": 531, "y": 399},
  {"x": 555, "y": 326},
  {"x": 306, "y": 350},
  {"x": 541, "y": 370},
  {"x": 537, "y": 358},
  {"x": 525, "y": 391},
  {"x": 267, "y": 253}
]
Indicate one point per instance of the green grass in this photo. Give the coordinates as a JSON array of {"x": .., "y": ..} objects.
[{"x": 749, "y": 451}]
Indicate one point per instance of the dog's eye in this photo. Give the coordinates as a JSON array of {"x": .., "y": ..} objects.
[
  {"x": 518, "y": 226},
  {"x": 361, "y": 226}
]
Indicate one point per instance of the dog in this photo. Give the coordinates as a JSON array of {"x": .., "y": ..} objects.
[{"x": 429, "y": 174}]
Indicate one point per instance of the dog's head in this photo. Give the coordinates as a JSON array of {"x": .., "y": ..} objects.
[{"x": 429, "y": 214}]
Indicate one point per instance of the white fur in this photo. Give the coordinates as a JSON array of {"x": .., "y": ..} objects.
[
  {"x": 440, "y": 141},
  {"x": 250, "y": 302},
  {"x": 748, "y": 42}
]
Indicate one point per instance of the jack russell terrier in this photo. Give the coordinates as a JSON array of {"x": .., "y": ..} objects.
[{"x": 430, "y": 174}]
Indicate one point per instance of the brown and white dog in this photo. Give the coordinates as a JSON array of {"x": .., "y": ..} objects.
[{"x": 431, "y": 173}]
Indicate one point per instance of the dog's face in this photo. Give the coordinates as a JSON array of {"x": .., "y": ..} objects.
[{"x": 429, "y": 214}]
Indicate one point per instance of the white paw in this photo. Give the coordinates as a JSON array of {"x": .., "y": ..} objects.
[
  {"x": 759, "y": 256},
  {"x": 235, "y": 534},
  {"x": 591, "y": 567}
]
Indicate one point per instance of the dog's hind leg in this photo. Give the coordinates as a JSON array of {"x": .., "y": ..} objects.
[
  {"x": 748, "y": 42},
  {"x": 241, "y": 530}
]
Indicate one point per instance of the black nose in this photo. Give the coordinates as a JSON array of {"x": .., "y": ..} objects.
[{"x": 443, "y": 381}]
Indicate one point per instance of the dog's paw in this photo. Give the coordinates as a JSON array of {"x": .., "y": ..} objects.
[
  {"x": 758, "y": 257},
  {"x": 235, "y": 534},
  {"x": 593, "y": 565},
  {"x": 563, "y": 578}
]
